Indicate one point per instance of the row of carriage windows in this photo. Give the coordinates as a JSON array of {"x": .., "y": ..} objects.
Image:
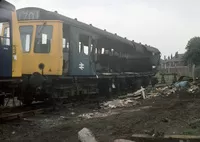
[{"x": 43, "y": 40}]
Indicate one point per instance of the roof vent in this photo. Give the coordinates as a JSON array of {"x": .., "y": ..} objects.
[
  {"x": 76, "y": 19},
  {"x": 56, "y": 11},
  {"x": 115, "y": 33},
  {"x": 124, "y": 37},
  {"x": 133, "y": 41},
  {"x": 90, "y": 24},
  {"x": 104, "y": 29}
]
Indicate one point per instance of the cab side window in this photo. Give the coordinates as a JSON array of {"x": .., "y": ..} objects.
[
  {"x": 26, "y": 37},
  {"x": 5, "y": 34},
  {"x": 43, "y": 39}
]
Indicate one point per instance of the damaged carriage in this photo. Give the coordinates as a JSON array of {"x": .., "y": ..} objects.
[{"x": 63, "y": 57}]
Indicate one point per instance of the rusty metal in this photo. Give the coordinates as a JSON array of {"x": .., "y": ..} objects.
[{"x": 165, "y": 138}]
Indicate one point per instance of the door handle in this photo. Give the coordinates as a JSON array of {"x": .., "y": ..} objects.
[{"x": 15, "y": 57}]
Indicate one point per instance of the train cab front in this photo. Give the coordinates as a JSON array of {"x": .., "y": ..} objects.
[
  {"x": 10, "y": 56},
  {"x": 10, "y": 59},
  {"x": 5, "y": 40}
]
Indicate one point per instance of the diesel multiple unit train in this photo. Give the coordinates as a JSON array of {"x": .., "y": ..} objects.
[{"x": 60, "y": 57}]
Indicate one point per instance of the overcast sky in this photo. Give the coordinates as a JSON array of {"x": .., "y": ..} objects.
[{"x": 164, "y": 24}]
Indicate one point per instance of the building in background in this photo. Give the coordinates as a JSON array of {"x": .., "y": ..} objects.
[
  {"x": 175, "y": 61},
  {"x": 175, "y": 64}
]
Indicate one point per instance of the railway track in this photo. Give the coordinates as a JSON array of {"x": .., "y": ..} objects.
[
  {"x": 19, "y": 112},
  {"x": 13, "y": 112},
  {"x": 23, "y": 111}
]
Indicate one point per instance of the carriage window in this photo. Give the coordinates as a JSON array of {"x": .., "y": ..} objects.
[
  {"x": 86, "y": 49},
  {"x": 102, "y": 51},
  {"x": 43, "y": 39},
  {"x": 6, "y": 36},
  {"x": 79, "y": 47},
  {"x": 84, "y": 44},
  {"x": 64, "y": 43},
  {"x": 95, "y": 50},
  {"x": 26, "y": 37},
  {"x": 111, "y": 52},
  {"x": 5, "y": 33},
  {"x": 91, "y": 49}
]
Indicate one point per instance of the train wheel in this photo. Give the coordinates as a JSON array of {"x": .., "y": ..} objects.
[
  {"x": 145, "y": 82},
  {"x": 2, "y": 100},
  {"x": 27, "y": 101},
  {"x": 138, "y": 84},
  {"x": 27, "y": 96},
  {"x": 57, "y": 101},
  {"x": 104, "y": 88}
]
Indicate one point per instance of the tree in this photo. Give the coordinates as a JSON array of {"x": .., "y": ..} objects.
[
  {"x": 192, "y": 54},
  {"x": 176, "y": 54}
]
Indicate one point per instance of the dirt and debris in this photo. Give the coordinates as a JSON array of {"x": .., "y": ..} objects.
[
  {"x": 160, "y": 113},
  {"x": 97, "y": 114},
  {"x": 118, "y": 103},
  {"x": 183, "y": 86},
  {"x": 125, "y": 101},
  {"x": 194, "y": 89},
  {"x": 122, "y": 140},
  {"x": 85, "y": 135}
]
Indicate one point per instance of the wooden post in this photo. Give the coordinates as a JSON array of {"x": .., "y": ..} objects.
[
  {"x": 193, "y": 72},
  {"x": 162, "y": 78}
]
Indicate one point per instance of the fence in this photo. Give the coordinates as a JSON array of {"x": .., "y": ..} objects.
[{"x": 180, "y": 70}]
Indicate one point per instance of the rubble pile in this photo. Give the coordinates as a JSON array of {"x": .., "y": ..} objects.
[
  {"x": 118, "y": 103},
  {"x": 86, "y": 135},
  {"x": 168, "y": 90},
  {"x": 193, "y": 89},
  {"x": 186, "y": 86},
  {"x": 97, "y": 115}
]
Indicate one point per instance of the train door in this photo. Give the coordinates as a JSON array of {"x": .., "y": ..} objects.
[
  {"x": 5, "y": 48},
  {"x": 81, "y": 63}
]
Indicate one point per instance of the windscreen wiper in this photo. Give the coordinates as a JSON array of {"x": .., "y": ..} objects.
[{"x": 41, "y": 29}]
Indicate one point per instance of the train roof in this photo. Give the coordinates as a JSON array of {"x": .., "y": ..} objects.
[
  {"x": 34, "y": 13},
  {"x": 6, "y": 5},
  {"x": 152, "y": 49}
]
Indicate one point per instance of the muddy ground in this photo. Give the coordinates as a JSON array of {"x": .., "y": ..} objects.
[{"x": 175, "y": 114}]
